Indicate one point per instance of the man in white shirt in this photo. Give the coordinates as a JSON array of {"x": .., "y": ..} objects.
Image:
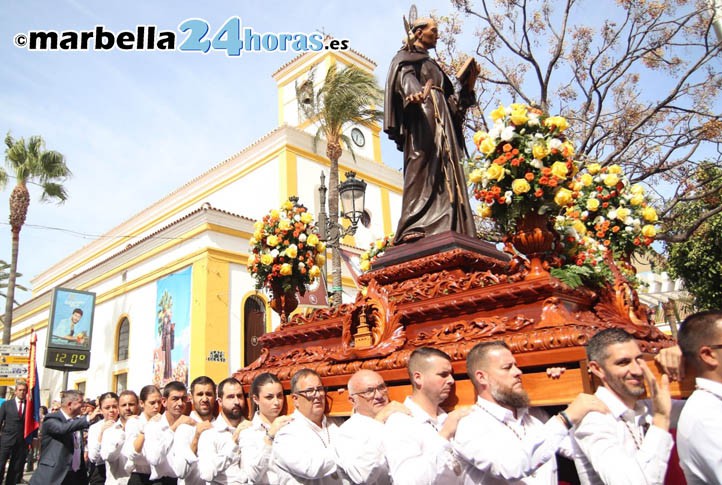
[
  {"x": 219, "y": 459},
  {"x": 303, "y": 449},
  {"x": 114, "y": 437},
  {"x": 524, "y": 440},
  {"x": 417, "y": 447},
  {"x": 700, "y": 423},
  {"x": 165, "y": 460},
  {"x": 631, "y": 444},
  {"x": 359, "y": 447},
  {"x": 203, "y": 397}
]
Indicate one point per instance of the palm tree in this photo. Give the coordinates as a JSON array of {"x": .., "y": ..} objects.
[
  {"x": 348, "y": 96},
  {"x": 28, "y": 162}
]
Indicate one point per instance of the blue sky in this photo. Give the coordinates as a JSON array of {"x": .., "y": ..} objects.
[{"x": 136, "y": 125}]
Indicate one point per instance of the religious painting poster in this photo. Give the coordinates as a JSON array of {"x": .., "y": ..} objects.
[
  {"x": 172, "y": 328},
  {"x": 71, "y": 319}
]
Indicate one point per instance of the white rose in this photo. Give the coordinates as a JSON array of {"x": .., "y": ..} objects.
[
  {"x": 302, "y": 237},
  {"x": 555, "y": 143},
  {"x": 508, "y": 133}
]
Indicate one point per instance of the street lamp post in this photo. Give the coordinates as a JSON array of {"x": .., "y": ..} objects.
[{"x": 352, "y": 193}]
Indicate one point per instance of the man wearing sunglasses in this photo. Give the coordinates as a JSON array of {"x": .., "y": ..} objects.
[
  {"x": 700, "y": 423},
  {"x": 359, "y": 446},
  {"x": 303, "y": 450}
]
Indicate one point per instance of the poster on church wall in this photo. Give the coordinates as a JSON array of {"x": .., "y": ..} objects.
[
  {"x": 71, "y": 319},
  {"x": 172, "y": 328}
]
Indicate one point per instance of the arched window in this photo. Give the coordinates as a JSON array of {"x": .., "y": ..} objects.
[
  {"x": 254, "y": 319},
  {"x": 121, "y": 351}
]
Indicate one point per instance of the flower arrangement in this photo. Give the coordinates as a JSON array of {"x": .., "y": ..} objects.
[
  {"x": 525, "y": 163},
  {"x": 604, "y": 205},
  {"x": 375, "y": 251},
  {"x": 285, "y": 249}
]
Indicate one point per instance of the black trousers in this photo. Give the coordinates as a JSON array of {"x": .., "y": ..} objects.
[
  {"x": 16, "y": 453},
  {"x": 79, "y": 477},
  {"x": 144, "y": 479}
]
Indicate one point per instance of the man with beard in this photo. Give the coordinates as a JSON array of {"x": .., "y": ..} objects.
[
  {"x": 524, "y": 440},
  {"x": 632, "y": 443},
  {"x": 113, "y": 438},
  {"x": 359, "y": 447},
  {"x": 417, "y": 447},
  {"x": 303, "y": 449},
  {"x": 219, "y": 458}
]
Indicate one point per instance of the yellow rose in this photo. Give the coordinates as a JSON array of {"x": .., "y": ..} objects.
[
  {"x": 321, "y": 247},
  {"x": 594, "y": 168},
  {"x": 540, "y": 150},
  {"x": 559, "y": 122},
  {"x": 266, "y": 259},
  {"x": 611, "y": 180},
  {"x": 286, "y": 269},
  {"x": 379, "y": 243},
  {"x": 587, "y": 180},
  {"x": 560, "y": 170},
  {"x": 365, "y": 265},
  {"x": 284, "y": 224},
  {"x": 568, "y": 148},
  {"x": 518, "y": 116},
  {"x": 592, "y": 204},
  {"x": 637, "y": 189},
  {"x": 312, "y": 240},
  {"x": 487, "y": 146},
  {"x": 306, "y": 217},
  {"x": 498, "y": 113},
  {"x": 495, "y": 172},
  {"x": 649, "y": 231},
  {"x": 563, "y": 197},
  {"x": 258, "y": 235},
  {"x": 649, "y": 214},
  {"x": 623, "y": 213},
  {"x": 314, "y": 272},
  {"x": 272, "y": 241},
  {"x": 288, "y": 205},
  {"x": 480, "y": 136},
  {"x": 476, "y": 175},
  {"x": 579, "y": 227},
  {"x": 274, "y": 214},
  {"x": 614, "y": 169},
  {"x": 364, "y": 256},
  {"x": 484, "y": 210},
  {"x": 258, "y": 225},
  {"x": 320, "y": 259},
  {"x": 520, "y": 186},
  {"x": 636, "y": 200},
  {"x": 577, "y": 186},
  {"x": 292, "y": 251}
]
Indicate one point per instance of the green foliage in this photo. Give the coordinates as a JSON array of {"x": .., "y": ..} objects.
[
  {"x": 576, "y": 276},
  {"x": 698, "y": 259}
]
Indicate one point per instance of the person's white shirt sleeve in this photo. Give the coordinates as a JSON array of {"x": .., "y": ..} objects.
[
  {"x": 158, "y": 442},
  {"x": 483, "y": 442},
  {"x": 359, "y": 449},
  {"x": 94, "y": 443},
  {"x": 255, "y": 453},
  {"x": 112, "y": 443},
  {"x": 297, "y": 451},
  {"x": 411, "y": 461},
  {"x": 597, "y": 438},
  {"x": 180, "y": 455}
]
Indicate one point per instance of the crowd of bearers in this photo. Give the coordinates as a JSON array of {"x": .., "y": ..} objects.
[{"x": 202, "y": 435}]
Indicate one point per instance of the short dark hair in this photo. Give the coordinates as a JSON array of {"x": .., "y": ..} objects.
[
  {"x": 261, "y": 380},
  {"x": 173, "y": 386},
  {"x": 228, "y": 380},
  {"x": 128, "y": 392},
  {"x": 107, "y": 395},
  {"x": 305, "y": 372},
  {"x": 78, "y": 310},
  {"x": 418, "y": 358},
  {"x": 697, "y": 330},
  {"x": 203, "y": 381},
  {"x": 71, "y": 395},
  {"x": 147, "y": 391},
  {"x": 597, "y": 345},
  {"x": 477, "y": 355}
]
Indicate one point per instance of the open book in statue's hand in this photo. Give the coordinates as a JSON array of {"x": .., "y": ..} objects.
[{"x": 468, "y": 73}]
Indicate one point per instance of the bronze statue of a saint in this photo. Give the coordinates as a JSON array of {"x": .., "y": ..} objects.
[{"x": 424, "y": 116}]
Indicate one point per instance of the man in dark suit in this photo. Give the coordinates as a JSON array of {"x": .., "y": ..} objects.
[
  {"x": 12, "y": 439},
  {"x": 61, "y": 449}
]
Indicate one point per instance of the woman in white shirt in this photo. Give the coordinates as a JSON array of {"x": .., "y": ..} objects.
[
  {"x": 255, "y": 442},
  {"x": 108, "y": 403},
  {"x": 137, "y": 465}
]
